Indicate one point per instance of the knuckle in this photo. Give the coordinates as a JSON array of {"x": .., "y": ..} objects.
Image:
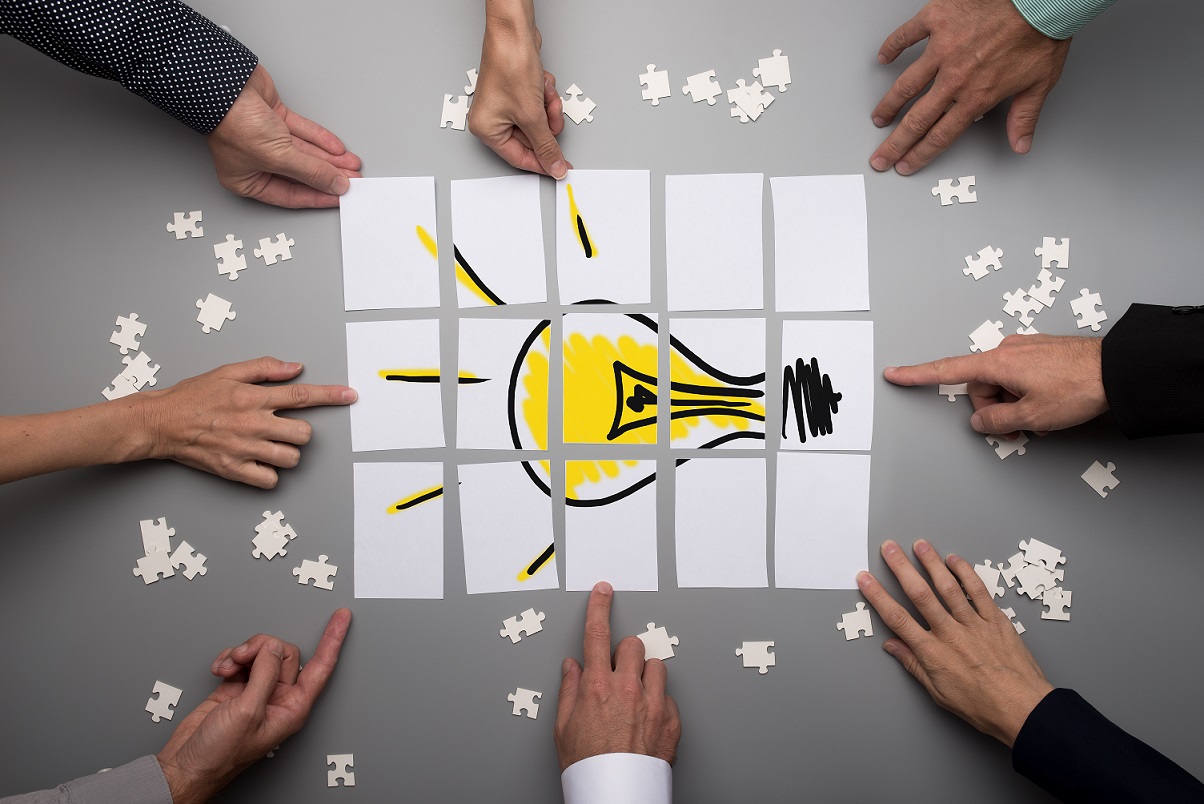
[
  {"x": 597, "y": 631},
  {"x": 305, "y": 432},
  {"x": 300, "y": 395},
  {"x": 922, "y": 596},
  {"x": 915, "y": 124},
  {"x": 633, "y": 644},
  {"x": 941, "y": 138},
  {"x": 896, "y": 619}
]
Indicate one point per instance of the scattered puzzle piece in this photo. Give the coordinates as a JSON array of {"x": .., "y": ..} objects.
[
  {"x": 1004, "y": 448},
  {"x": 853, "y": 623},
  {"x": 161, "y": 707},
  {"x": 952, "y": 392},
  {"x": 963, "y": 192},
  {"x": 525, "y": 699},
  {"x": 988, "y": 335},
  {"x": 988, "y": 259},
  {"x": 703, "y": 86},
  {"x": 193, "y": 562},
  {"x": 1015, "y": 564},
  {"x": 774, "y": 71},
  {"x": 120, "y": 387},
  {"x": 1011, "y": 613},
  {"x": 529, "y": 622},
  {"x": 1038, "y": 552},
  {"x": 1021, "y": 306},
  {"x": 138, "y": 370},
  {"x": 656, "y": 85},
  {"x": 579, "y": 108},
  {"x": 757, "y": 654},
  {"x": 155, "y": 535},
  {"x": 129, "y": 330},
  {"x": 214, "y": 312},
  {"x": 1101, "y": 478},
  {"x": 186, "y": 225},
  {"x": 472, "y": 81},
  {"x": 279, "y": 249},
  {"x": 1027, "y": 331},
  {"x": 1058, "y": 600},
  {"x": 1054, "y": 250},
  {"x": 318, "y": 571},
  {"x": 657, "y": 643},
  {"x": 229, "y": 261},
  {"x": 343, "y": 763},
  {"x": 1084, "y": 307},
  {"x": 154, "y": 564},
  {"x": 1034, "y": 579},
  {"x": 272, "y": 536},
  {"x": 990, "y": 578},
  {"x": 455, "y": 112},
  {"x": 1047, "y": 285},
  {"x": 749, "y": 101}
]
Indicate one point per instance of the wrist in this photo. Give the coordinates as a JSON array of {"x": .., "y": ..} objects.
[
  {"x": 183, "y": 786},
  {"x": 1015, "y": 716},
  {"x": 510, "y": 20}
]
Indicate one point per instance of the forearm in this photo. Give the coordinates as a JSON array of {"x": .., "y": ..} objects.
[
  {"x": 139, "y": 782},
  {"x": 109, "y": 432},
  {"x": 161, "y": 50},
  {"x": 1060, "y": 19}
]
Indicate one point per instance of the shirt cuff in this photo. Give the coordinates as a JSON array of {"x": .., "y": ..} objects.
[
  {"x": 606, "y": 778},
  {"x": 1060, "y": 19}
]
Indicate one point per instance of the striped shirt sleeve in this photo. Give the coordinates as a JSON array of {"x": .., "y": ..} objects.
[{"x": 1060, "y": 19}]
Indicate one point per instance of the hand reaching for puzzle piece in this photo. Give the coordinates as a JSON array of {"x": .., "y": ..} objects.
[
  {"x": 971, "y": 660},
  {"x": 613, "y": 708},
  {"x": 264, "y": 150},
  {"x": 263, "y": 699},
  {"x": 979, "y": 53},
  {"x": 516, "y": 109},
  {"x": 1029, "y": 382},
  {"x": 221, "y": 422}
]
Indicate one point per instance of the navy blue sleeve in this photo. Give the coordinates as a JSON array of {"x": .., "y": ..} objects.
[
  {"x": 1077, "y": 754},
  {"x": 161, "y": 50}
]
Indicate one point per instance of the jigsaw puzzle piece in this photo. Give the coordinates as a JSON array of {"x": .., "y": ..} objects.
[
  {"x": 138, "y": 370},
  {"x": 657, "y": 643},
  {"x": 156, "y": 536},
  {"x": 1058, "y": 600},
  {"x": 988, "y": 335},
  {"x": 1005, "y": 448},
  {"x": 129, "y": 330},
  {"x": 229, "y": 261},
  {"x": 757, "y": 654},
  {"x": 1011, "y": 613},
  {"x": 524, "y": 699},
  {"x": 578, "y": 108},
  {"x": 703, "y": 86},
  {"x": 529, "y": 622},
  {"x": 342, "y": 771},
  {"x": 192, "y": 561},
  {"x": 854, "y": 623},
  {"x": 952, "y": 392},
  {"x": 214, "y": 312},
  {"x": 318, "y": 571},
  {"x": 186, "y": 225},
  {"x": 1038, "y": 552},
  {"x": 1085, "y": 308},
  {"x": 990, "y": 578},
  {"x": 1101, "y": 478},
  {"x": 472, "y": 82},
  {"x": 152, "y": 565},
  {"x": 161, "y": 707},
  {"x": 988, "y": 259},
  {"x": 1047, "y": 285},
  {"x": 656, "y": 85},
  {"x": 1053, "y": 250},
  {"x": 963, "y": 193},
  {"x": 272, "y": 250},
  {"x": 1021, "y": 306},
  {"x": 120, "y": 387},
  {"x": 1008, "y": 573},
  {"x": 774, "y": 71}
]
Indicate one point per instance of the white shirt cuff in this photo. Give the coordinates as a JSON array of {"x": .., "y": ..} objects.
[{"x": 609, "y": 778}]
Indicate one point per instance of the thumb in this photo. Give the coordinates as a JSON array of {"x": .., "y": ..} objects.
[
  {"x": 570, "y": 679},
  {"x": 546, "y": 149},
  {"x": 1000, "y": 418},
  {"x": 265, "y": 672},
  {"x": 1022, "y": 118},
  {"x": 314, "y": 171}
]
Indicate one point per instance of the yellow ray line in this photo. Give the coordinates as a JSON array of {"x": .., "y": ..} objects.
[
  {"x": 427, "y": 241},
  {"x": 415, "y": 499}
]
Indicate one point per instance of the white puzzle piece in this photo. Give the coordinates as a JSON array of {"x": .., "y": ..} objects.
[
  {"x": 154, "y": 564},
  {"x": 229, "y": 261},
  {"x": 138, "y": 370},
  {"x": 853, "y": 623},
  {"x": 990, "y": 578},
  {"x": 472, "y": 82},
  {"x": 272, "y": 250},
  {"x": 272, "y": 536},
  {"x": 988, "y": 335},
  {"x": 579, "y": 108},
  {"x": 214, "y": 312},
  {"x": 988, "y": 259},
  {"x": 1005, "y": 448},
  {"x": 161, "y": 707},
  {"x": 657, "y": 643},
  {"x": 528, "y": 623},
  {"x": 702, "y": 87},
  {"x": 952, "y": 392},
  {"x": 1011, "y": 613},
  {"x": 524, "y": 699},
  {"x": 186, "y": 225},
  {"x": 1053, "y": 250},
  {"x": 1015, "y": 564},
  {"x": 1034, "y": 579},
  {"x": 120, "y": 387},
  {"x": 1038, "y": 552},
  {"x": 319, "y": 572},
  {"x": 748, "y": 100},
  {"x": 156, "y": 535},
  {"x": 343, "y": 763},
  {"x": 963, "y": 192},
  {"x": 192, "y": 561},
  {"x": 1085, "y": 308},
  {"x": 774, "y": 71},
  {"x": 455, "y": 112},
  {"x": 1058, "y": 600},
  {"x": 1101, "y": 478},
  {"x": 1021, "y": 306},
  {"x": 129, "y": 330},
  {"x": 656, "y": 85},
  {"x": 758, "y": 655},
  {"x": 1047, "y": 285}
]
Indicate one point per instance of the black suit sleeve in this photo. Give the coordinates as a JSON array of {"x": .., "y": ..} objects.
[
  {"x": 1153, "y": 367},
  {"x": 1075, "y": 753},
  {"x": 161, "y": 50}
]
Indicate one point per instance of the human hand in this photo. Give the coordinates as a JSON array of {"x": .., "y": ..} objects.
[
  {"x": 972, "y": 661},
  {"x": 613, "y": 707},
  {"x": 979, "y": 52},
  {"x": 221, "y": 423},
  {"x": 516, "y": 109},
  {"x": 264, "y": 150},
  {"x": 1029, "y": 382},
  {"x": 264, "y": 698}
]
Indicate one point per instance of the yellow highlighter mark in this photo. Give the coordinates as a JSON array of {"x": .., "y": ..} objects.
[
  {"x": 583, "y": 238},
  {"x": 467, "y": 277},
  {"x": 427, "y": 241},
  {"x": 415, "y": 499},
  {"x": 539, "y": 563}
]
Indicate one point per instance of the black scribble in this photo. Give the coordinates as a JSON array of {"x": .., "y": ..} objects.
[{"x": 810, "y": 395}]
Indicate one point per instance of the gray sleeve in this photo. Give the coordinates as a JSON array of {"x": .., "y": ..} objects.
[{"x": 140, "y": 782}]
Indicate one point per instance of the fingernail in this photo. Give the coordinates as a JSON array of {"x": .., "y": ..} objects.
[
  {"x": 1024, "y": 144},
  {"x": 879, "y": 121},
  {"x": 565, "y": 665},
  {"x": 863, "y": 579},
  {"x": 350, "y": 395},
  {"x": 922, "y": 546},
  {"x": 603, "y": 587},
  {"x": 879, "y": 163},
  {"x": 340, "y": 185},
  {"x": 903, "y": 168},
  {"x": 952, "y": 558},
  {"x": 882, "y": 58},
  {"x": 558, "y": 170},
  {"x": 240, "y": 648},
  {"x": 891, "y": 648},
  {"x": 276, "y": 649},
  {"x": 976, "y": 423},
  {"x": 225, "y": 665},
  {"x": 294, "y": 367},
  {"x": 889, "y": 548}
]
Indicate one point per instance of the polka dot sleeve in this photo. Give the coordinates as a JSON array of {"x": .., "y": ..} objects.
[{"x": 161, "y": 50}]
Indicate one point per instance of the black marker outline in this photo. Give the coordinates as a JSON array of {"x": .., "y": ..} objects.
[
  {"x": 430, "y": 495},
  {"x": 463, "y": 263}
]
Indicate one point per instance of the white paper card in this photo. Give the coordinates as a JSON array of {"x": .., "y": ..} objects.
[
  {"x": 828, "y": 385},
  {"x": 507, "y": 525},
  {"x": 502, "y": 359},
  {"x": 610, "y": 378},
  {"x": 498, "y": 232},
  {"x": 720, "y": 523},
  {"x": 718, "y": 394},
  {"x": 389, "y": 252},
  {"x": 394, "y": 365},
  {"x": 823, "y": 504},
  {"x": 713, "y": 241},
  {"x": 613, "y": 539},
  {"x": 822, "y": 243},
  {"x": 602, "y": 237},
  {"x": 399, "y": 530}
]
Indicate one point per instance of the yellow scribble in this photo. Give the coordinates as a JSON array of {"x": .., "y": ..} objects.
[
  {"x": 535, "y": 403},
  {"x": 475, "y": 289},
  {"x": 406, "y": 502},
  {"x": 427, "y": 241},
  {"x": 683, "y": 373},
  {"x": 524, "y": 576},
  {"x": 584, "y": 238}
]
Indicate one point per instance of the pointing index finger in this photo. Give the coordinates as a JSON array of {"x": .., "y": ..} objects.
[
  {"x": 597, "y": 626},
  {"x": 945, "y": 371},
  {"x": 302, "y": 395}
]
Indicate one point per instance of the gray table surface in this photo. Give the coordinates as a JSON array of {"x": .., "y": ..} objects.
[{"x": 92, "y": 173}]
